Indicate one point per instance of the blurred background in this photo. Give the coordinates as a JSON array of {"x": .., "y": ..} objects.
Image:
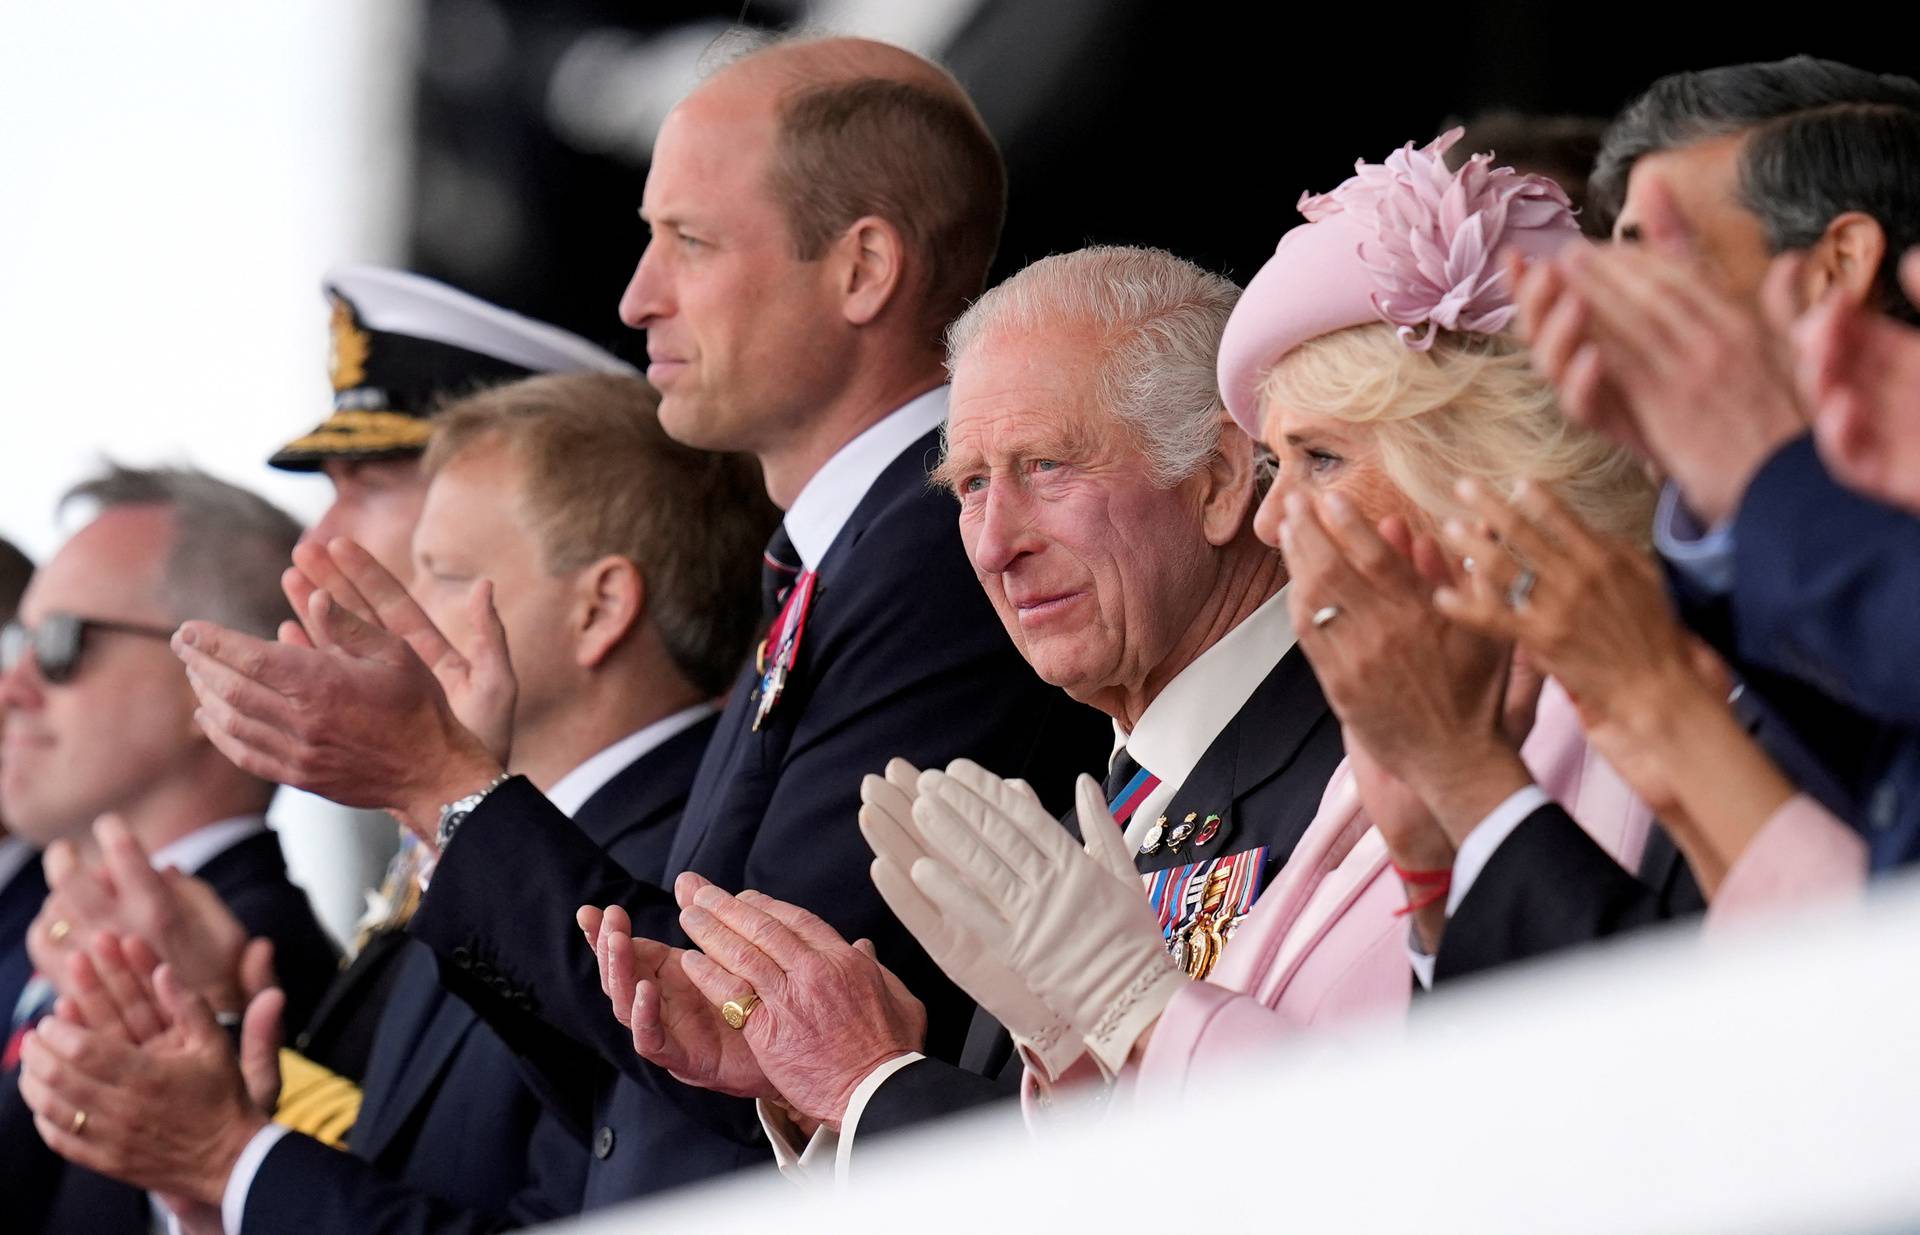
[{"x": 177, "y": 177}]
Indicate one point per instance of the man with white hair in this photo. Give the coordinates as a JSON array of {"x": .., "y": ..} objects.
[{"x": 1106, "y": 505}]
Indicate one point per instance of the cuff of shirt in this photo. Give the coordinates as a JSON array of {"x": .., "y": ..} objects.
[
  {"x": 1421, "y": 962},
  {"x": 1704, "y": 555},
  {"x": 1492, "y": 832},
  {"x": 233, "y": 1202},
  {"x": 797, "y": 1158},
  {"x": 857, "y": 1104}
]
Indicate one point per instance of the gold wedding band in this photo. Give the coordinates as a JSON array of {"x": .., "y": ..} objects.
[
  {"x": 736, "y": 1011},
  {"x": 79, "y": 1121},
  {"x": 59, "y": 931}
]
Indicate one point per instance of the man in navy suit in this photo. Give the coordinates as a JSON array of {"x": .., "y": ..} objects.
[
  {"x": 626, "y": 566},
  {"x": 1807, "y": 589},
  {"x": 99, "y": 723},
  {"x": 821, "y": 210},
  {"x": 1113, "y": 534}
]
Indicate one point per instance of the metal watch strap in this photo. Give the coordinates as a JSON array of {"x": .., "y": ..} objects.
[{"x": 455, "y": 813}]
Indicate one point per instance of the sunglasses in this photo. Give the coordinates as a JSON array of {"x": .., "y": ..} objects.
[{"x": 56, "y": 643}]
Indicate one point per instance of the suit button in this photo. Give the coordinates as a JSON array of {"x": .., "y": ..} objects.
[
  {"x": 523, "y": 1001},
  {"x": 603, "y": 1143},
  {"x": 463, "y": 958}
]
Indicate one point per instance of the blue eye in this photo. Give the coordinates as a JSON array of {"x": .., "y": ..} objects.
[
  {"x": 973, "y": 484},
  {"x": 1322, "y": 461}
]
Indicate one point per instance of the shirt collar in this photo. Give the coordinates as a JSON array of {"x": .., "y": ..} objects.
[
  {"x": 1191, "y": 710},
  {"x": 571, "y": 791},
  {"x": 203, "y": 845},
  {"x": 15, "y": 853},
  {"x": 828, "y": 500}
]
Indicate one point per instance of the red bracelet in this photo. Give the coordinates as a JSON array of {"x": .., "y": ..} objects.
[{"x": 1438, "y": 881}]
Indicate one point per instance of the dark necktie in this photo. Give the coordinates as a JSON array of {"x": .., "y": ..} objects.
[
  {"x": 779, "y": 567},
  {"x": 1128, "y": 784}
]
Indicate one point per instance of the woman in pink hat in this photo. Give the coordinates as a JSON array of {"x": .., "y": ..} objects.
[{"x": 1372, "y": 354}]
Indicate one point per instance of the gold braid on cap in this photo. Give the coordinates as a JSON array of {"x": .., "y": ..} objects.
[{"x": 345, "y": 431}]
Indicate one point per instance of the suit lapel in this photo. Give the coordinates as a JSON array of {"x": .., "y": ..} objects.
[
  {"x": 420, "y": 1031},
  {"x": 735, "y": 742},
  {"x": 640, "y": 792},
  {"x": 1258, "y": 744}
]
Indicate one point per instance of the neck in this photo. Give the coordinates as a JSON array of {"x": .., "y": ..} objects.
[
  {"x": 587, "y": 724},
  {"x": 168, "y": 812},
  {"x": 875, "y": 392},
  {"x": 1250, "y": 575}
]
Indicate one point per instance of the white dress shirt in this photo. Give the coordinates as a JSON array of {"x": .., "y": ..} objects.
[
  {"x": 831, "y": 495},
  {"x": 569, "y": 793},
  {"x": 1173, "y": 735}
]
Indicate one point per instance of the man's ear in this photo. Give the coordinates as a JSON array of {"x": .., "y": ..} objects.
[
  {"x": 1230, "y": 489},
  {"x": 610, "y": 599},
  {"x": 869, "y": 268},
  {"x": 1849, "y": 255}
]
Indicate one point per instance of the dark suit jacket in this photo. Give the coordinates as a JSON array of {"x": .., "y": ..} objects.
[
  {"x": 1264, "y": 773},
  {"x": 1826, "y": 592},
  {"x": 902, "y": 656},
  {"x": 44, "y": 1193},
  {"x": 20, "y": 903},
  {"x": 451, "y": 1135}
]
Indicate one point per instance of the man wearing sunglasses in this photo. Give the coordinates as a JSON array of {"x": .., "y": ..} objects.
[{"x": 101, "y": 721}]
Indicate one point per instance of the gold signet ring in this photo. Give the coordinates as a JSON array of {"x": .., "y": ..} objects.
[
  {"x": 59, "y": 930},
  {"x": 79, "y": 1122},
  {"x": 736, "y": 1011}
]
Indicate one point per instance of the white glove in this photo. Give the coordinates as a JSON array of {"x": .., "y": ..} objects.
[
  {"x": 1070, "y": 922},
  {"x": 886, "y": 820}
]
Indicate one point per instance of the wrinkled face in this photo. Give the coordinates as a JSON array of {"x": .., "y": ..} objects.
[
  {"x": 375, "y": 504},
  {"x": 1697, "y": 188},
  {"x": 122, "y": 725},
  {"x": 473, "y": 526},
  {"x": 1319, "y": 455},
  {"x": 1094, "y": 571},
  {"x": 741, "y": 334}
]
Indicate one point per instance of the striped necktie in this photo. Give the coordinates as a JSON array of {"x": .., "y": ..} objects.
[{"x": 1128, "y": 785}]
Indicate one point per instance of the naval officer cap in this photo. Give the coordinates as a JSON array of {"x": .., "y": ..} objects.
[{"x": 404, "y": 345}]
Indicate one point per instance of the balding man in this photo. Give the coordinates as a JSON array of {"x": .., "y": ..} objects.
[
  {"x": 1106, "y": 504},
  {"x": 820, "y": 210}
]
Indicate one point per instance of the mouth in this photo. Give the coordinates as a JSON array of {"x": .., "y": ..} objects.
[
  {"x": 1033, "y": 609},
  {"x": 663, "y": 368}
]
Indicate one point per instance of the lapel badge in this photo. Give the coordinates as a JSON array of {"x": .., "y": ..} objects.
[
  {"x": 1181, "y": 833},
  {"x": 1151, "y": 842},
  {"x": 1209, "y": 828}
]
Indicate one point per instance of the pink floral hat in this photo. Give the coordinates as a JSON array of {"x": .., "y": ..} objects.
[{"x": 1405, "y": 242}]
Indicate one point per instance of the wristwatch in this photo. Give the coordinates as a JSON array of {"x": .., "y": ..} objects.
[{"x": 455, "y": 813}]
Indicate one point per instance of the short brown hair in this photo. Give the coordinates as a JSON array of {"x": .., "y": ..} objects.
[
  {"x": 16, "y": 571},
  {"x": 919, "y": 157},
  {"x": 603, "y": 478}
]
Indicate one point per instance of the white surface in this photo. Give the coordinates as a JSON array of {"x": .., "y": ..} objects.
[{"x": 1761, "y": 1083}]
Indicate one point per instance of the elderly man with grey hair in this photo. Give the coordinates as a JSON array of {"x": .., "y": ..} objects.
[
  {"x": 106, "y": 767},
  {"x": 1106, "y": 503}
]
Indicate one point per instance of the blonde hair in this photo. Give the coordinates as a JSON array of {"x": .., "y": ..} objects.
[{"x": 1469, "y": 408}]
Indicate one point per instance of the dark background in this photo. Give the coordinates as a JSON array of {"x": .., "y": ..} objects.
[{"x": 1189, "y": 124}]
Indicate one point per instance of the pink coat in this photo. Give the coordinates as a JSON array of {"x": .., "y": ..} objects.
[
  {"x": 1803, "y": 854},
  {"x": 1323, "y": 946}
]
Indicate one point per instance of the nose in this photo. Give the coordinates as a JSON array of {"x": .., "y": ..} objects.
[
  {"x": 20, "y": 685},
  {"x": 645, "y": 298},
  {"x": 1266, "y": 520},
  {"x": 1006, "y": 528}
]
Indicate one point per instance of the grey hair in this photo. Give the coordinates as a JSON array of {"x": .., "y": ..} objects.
[
  {"x": 229, "y": 546},
  {"x": 1159, "y": 319}
]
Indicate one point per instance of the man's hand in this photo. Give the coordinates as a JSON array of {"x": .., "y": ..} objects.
[
  {"x": 829, "y": 1012},
  {"x": 1859, "y": 372},
  {"x": 673, "y": 1024},
  {"x": 1701, "y": 377},
  {"x": 357, "y": 717},
  {"x": 478, "y": 679},
  {"x": 171, "y": 1115}
]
